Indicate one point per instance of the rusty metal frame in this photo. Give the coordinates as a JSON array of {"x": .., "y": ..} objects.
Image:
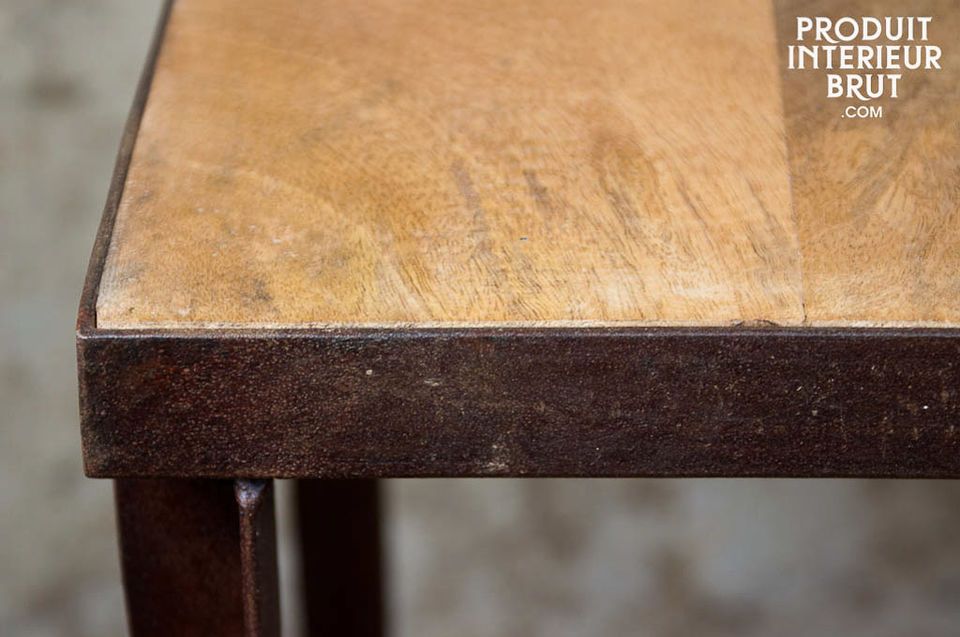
[
  {"x": 199, "y": 557},
  {"x": 726, "y": 401}
]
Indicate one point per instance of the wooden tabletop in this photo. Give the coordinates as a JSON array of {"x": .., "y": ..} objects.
[
  {"x": 448, "y": 163},
  {"x": 392, "y": 238}
]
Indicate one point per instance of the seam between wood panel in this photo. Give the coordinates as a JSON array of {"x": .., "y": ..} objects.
[{"x": 778, "y": 56}]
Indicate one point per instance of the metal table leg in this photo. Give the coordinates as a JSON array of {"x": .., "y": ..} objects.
[
  {"x": 340, "y": 542},
  {"x": 198, "y": 557}
]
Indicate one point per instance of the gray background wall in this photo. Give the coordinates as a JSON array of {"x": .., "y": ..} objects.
[{"x": 484, "y": 558}]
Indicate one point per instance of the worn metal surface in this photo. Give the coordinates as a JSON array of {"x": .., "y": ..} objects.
[
  {"x": 749, "y": 402},
  {"x": 339, "y": 524},
  {"x": 180, "y": 552},
  {"x": 199, "y": 558},
  {"x": 258, "y": 558}
]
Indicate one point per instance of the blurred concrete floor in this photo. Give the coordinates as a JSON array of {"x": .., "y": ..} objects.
[{"x": 483, "y": 558}]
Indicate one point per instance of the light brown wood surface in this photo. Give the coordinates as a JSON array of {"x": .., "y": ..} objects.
[
  {"x": 561, "y": 162},
  {"x": 878, "y": 200}
]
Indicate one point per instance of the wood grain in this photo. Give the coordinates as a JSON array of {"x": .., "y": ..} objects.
[
  {"x": 434, "y": 163},
  {"x": 611, "y": 162},
  {"x": 878, "y": 200}
]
